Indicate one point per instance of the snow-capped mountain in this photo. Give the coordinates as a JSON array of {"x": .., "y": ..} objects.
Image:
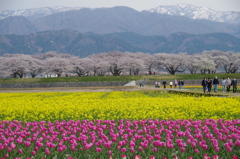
[
  {"x": 191, "y": 11},
  {"x": 195, "y": 12},
  {"x": 35, "y": 13}
]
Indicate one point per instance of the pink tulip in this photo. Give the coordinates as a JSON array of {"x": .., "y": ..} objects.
[
  {"x": 152, "y": 157},
  {"x": 137, "y": 157},
  {"x": 20, "y": 151},
  {"x": 47, "y": 151},
  {"x": 98, "y": 149},
  {"x": 124, "y": 150},
  {"x": 33, "y": 153},
  {"x": 196, "y": 150},
  {"x": 215, "y": 157},
  {"x": 182, "y": 149},
  {"x": 154, "y": 149},
  {"x": 109, "y": 152},
  {"x": 124, "y": 157}
]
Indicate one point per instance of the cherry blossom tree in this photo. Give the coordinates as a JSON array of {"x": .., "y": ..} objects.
[
  {"x": 133, "y": 62},
  {"x": 35, "y": 66},
  {"x": 100, "y": 65},
  {"x": 229, "y": 60},
  {"x": 191, "y": 63},
  {"x": 57, "y": 65},
  {"x": 81, "y": 66},
  {"x": 114, "y": 60},
  {"x": 15, "y": 65},
  {"x": 172, "y": 62},
  {"x": 205, "y": 65},
  {"x": 149, "y": 60}
]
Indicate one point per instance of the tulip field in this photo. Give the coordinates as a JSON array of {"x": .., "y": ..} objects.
[{"x": 130, "y": 125}]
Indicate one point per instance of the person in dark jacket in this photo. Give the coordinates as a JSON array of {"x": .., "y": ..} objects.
[
  {"x": 234, "y": 84},
  {"x": 215, "y": 84},
  {"x": 164, "y": 84},
  {"x": 182, "y": 84},
  {"x": 209, "y": 85},
  {"x": 204, "y": 84}
]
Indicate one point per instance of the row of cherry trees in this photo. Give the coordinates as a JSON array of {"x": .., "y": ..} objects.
[{"x": 117, "y": 63}]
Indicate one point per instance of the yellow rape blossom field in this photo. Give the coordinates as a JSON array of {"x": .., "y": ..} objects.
[{"x": 114, "y": 106}]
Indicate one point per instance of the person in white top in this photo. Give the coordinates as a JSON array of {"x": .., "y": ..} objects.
[
  {"x": 228, "y": 84},
  {"x": 224, "y": 85}
]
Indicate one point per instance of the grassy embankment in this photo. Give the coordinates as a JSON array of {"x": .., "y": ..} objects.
[{"x": 116, "y": 78}]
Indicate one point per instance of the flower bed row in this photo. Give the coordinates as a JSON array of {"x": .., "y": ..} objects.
[
  {"x": 51, "y": 106},
  {"x": 205, "y": 156},
  {"x": 108, "y": 138}
]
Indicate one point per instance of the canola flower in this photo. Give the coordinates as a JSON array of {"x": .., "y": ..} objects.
[{"x": 54, "y": 106}]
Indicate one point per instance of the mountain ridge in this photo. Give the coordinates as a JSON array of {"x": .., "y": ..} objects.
[
  {"x": 182, "y": 9},
  {"x": 196, "y": 12},
  {"x": 120, "y": 19},
  {"x": 85, "y": 44}
]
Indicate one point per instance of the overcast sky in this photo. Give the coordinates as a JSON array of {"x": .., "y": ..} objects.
[{"x": 218, "y": 5}]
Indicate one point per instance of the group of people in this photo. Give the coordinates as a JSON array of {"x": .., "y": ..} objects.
[
  {"x": 176, "y": 83},
  {"x": 226, "y": 84}
]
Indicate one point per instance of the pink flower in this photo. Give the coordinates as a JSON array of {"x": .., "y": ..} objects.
[
  {"x": 70, "y": 158},
  {"x": 12, "y": 145},
  {"x": 20, "y": 151},
  {"x": 196, "y": 150},
  {"x": 124, "y": 156},
  {"x": 154, "y": 149},
  {"x": 182, "y": 149},
  {"x": 9, "y": 149},
  {"x": 152, "y": 157},
  {"x": 47, "y": 151},
  {"x": 140, "y": 149},
  {"x": 137, "y": 157},
  {"x": 33, "y": 153},
  {"x": 124, "y": 150},
  {"x": 98, "y": 149},
  {"x": 109, "y": 152}
]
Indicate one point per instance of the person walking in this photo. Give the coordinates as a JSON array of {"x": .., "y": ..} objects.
[
  {"x": 234, "y": 84},
  {"x": 170, "y": 84},
  {"x": 209, "y": 85},
  {"x": 215, "y": 84},
  {"x": 224, "y": 85},
  {"x": 182, "y": 84},
  {"x": 179, "y": 84},
  {"x": 175, "y": 83},
  {"x": 158, "y": 84},
  {"x": 164, "y": 84},
  {"x": 204, "y": 84},
  {"x": 228, "y": 84}
]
